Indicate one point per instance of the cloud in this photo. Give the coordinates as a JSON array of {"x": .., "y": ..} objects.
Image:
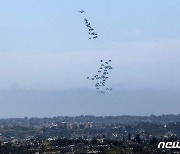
[
  {"x": 36, "y": 103},
  {"x": 140, "y": 64},
  {"x": 145, "y": 78}
]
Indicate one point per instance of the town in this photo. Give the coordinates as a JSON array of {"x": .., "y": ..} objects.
[{"x": 89, "y": 134}]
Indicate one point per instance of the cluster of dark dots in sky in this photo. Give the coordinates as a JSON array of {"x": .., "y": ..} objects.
[
  {"x": 91, "y": 32},
  {"x": 105, "y": 68},
  {"x": 102, "y": 76}
]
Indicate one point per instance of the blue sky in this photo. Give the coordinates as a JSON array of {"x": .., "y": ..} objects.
[
  {"x": 44, "y": 48},
  {"x": 57, "y": 27}
]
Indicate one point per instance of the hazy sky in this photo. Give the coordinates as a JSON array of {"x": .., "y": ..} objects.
[{"x": 45, "y": 56}]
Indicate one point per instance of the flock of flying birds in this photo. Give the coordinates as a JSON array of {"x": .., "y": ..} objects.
[
  {"x": 91, "y": 32},
  {"x": 101, "y": 77},
  {"x": 105, "y": 68}
]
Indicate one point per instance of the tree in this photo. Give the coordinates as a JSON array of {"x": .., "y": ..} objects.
[{"x": 138, "y": 139}]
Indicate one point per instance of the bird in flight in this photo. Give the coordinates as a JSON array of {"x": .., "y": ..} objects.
[{"x": 82, "y": 11}]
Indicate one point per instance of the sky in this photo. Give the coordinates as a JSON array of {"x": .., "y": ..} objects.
[{"x": 45, "y": 57}]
